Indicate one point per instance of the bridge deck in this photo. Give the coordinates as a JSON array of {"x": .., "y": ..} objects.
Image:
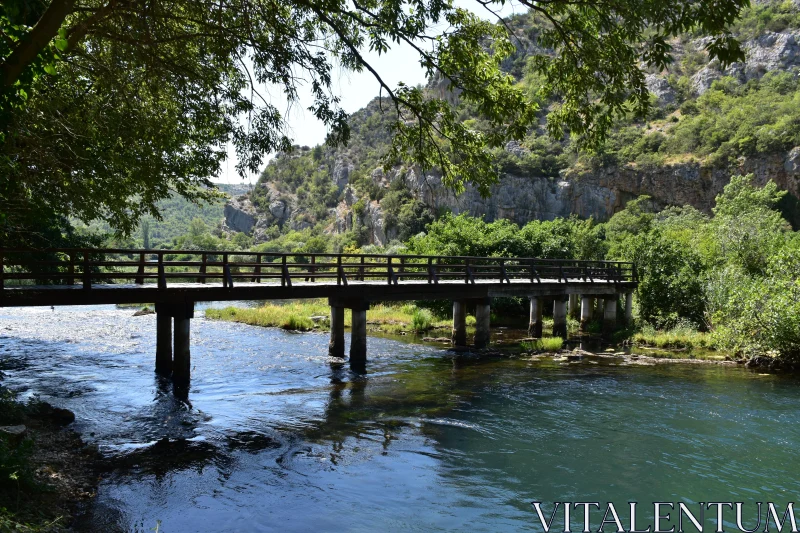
[
  {"x": 80, "y": 277},
  {"x": 367, "y": 291}
]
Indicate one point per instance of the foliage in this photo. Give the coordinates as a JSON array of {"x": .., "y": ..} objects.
[
  {"x": 296, "y": 315},
  {"x": 421, "y": 320},
  {"x": 554, "y": 239},
  {"x": 683, "y": 334},
  {"x": 735, "y": 273},
  {"x": 109, "y": 107},
  {"x": 545, "y": 344}
]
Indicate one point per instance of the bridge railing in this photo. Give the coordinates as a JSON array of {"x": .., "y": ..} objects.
[{"x": 85, "y": 267}]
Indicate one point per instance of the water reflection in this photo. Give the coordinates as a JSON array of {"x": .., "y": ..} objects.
[{"x": 277, "y": 436}]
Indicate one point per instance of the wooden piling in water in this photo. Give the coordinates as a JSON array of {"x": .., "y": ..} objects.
[
  {"x": 535, "y": 321},
  {"x": 587, "y": 308},
  {"x": 560, "y": 318},
  {"x": 358, "y": 340},
  {"x": 459, "y": 334},
  {"x": 163, "y": 340},
  {"x": 336, "y": 344},
  {"x": 482, "y": 324},
  {"x": 610, "y": 316}
]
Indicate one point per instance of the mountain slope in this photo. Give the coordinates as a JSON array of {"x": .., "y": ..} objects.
[{"x": 706, "y": 124}]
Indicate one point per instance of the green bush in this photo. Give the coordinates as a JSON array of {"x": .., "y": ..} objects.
[
  {"x": 297, "y": 323},
  {"x": 545, "y": 344},
  {"x": 421, "y": 320}
]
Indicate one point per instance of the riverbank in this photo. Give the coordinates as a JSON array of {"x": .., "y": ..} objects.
[
  {"x": 46, "y": 470},
  {"x": 408, "y": 319},
  {"x": 308, "y": 315}
]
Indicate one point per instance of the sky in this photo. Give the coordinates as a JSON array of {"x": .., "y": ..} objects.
[{"x": 355, "y": 89}]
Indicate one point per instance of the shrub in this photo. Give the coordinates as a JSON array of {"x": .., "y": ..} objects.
[
  {"x": 297, "y": 323},
  {"x": 545, "y": 344},
  {"x": 421, "y": 320}
]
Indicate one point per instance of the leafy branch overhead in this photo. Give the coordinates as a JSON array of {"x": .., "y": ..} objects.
[{"x": 110, "y": 105}]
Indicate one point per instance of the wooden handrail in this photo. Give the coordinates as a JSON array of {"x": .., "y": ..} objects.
[{"x": 58, "y": 266}]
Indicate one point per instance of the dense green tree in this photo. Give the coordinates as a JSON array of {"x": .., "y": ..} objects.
[{"x": 108, "y": 106}]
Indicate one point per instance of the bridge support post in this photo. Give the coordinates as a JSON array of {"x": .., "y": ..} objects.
[
  {"x": 535, "y": 321},
  {"x": 336, "y": 345},
  {"x": 163, "y": 340},
  {"x": 182, "y": 364},
  {"x": 358, "y": 341},
  {"x": 628, "y": 307},
  {"x": 587, "y": 305},
  {"x": 482, "y": 323},
  {"x": 459, "y": 336},
  {"x": 560, "y": 318},
  {"x": 610, "y": 315},
  {"x": 574, "y": 306},
  {"x": 599, "y": 307}
]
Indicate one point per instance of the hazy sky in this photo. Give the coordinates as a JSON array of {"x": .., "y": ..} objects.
[{"x": 356, "y": 89}]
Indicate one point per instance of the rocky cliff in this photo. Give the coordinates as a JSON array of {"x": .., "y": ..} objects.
[{"x": 346, "y": 189}]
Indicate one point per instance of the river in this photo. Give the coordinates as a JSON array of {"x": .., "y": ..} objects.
[{"x": 275, "y": 438}]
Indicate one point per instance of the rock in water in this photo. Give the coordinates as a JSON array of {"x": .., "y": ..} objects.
[
  {"x": 57, "y": 415},
  {"x": 14, "y": 431}
]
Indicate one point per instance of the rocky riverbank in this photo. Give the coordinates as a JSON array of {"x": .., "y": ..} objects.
[{"x": 48, "y": 470}]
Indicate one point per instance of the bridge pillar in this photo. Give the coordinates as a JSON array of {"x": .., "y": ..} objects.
[
  {"x": 336, "y": 345},
  {"x": 587, "y": 305},
  {"x": 628, "y": 307},
  {"x": 610, "y": 315},
  {"x": 358, "y": 340},
  {"x": 535, "y": 322},
  {"x": 182, "y": 364},
  {"x": 574, "y": 306},
  {"x": 459, "y": 336},
  {"x": 482, "y": 323},
  {"x": 560, "y": 318},
  {"x": 163, "y": 340}
]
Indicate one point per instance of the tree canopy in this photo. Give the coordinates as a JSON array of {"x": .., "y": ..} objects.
[{"x": 108, "y": 106}]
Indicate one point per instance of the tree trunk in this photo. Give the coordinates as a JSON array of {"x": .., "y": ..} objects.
[{"x": 29, "y": 47}]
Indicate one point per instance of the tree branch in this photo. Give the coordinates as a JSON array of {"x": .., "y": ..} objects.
[{"x": 29, "y": 47}]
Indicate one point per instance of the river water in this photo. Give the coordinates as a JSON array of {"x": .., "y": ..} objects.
[{"x": 275, "y": 438}]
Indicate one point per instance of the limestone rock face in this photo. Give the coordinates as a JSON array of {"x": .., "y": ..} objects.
[
  {"x": 341, "y": 172},
  {"x": 279, "y": 210},
  {"x": 768, "y": 52},
  {"x": 515, "y": 148},
  {"x": 771, "y": 51},
  {"x": 661, "y": 88},
  {"x": 602, "y": 192},
  {"x": 372, "y": 218},
  {"x": 792, "y": 164},
  {"x": 240, "y": 215},
  {"x": 701, "y": 82}
]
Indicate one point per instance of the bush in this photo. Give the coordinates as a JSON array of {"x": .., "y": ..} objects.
[
  {"x": 421, "y": 320},
  {"x": 297, "y": 323},
  {"x": 545, "y": 344}
]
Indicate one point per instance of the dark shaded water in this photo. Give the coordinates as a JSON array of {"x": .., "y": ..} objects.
[{"x": 276, "y": 439}]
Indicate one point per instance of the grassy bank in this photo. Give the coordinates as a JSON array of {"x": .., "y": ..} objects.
[
  {"x": 679, "y": 337},
  {"x": 400, "y": 319},
  {"x": 308, "y": 315}
]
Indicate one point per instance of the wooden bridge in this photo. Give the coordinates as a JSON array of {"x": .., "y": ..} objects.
[{"x": 175, "y": 280}]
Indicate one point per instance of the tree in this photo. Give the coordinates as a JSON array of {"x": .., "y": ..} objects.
[
  {"x": 108, "y": 106},
  {"x": 145, "y": 234}
]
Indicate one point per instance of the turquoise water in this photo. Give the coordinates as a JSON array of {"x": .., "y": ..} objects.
[{"x": 275, "y": 438}]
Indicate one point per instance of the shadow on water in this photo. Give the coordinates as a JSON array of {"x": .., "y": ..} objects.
[{"x": 274, "y": 435}]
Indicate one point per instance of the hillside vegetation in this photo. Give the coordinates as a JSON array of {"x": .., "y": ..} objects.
[{"x": 700, "y": 115}]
